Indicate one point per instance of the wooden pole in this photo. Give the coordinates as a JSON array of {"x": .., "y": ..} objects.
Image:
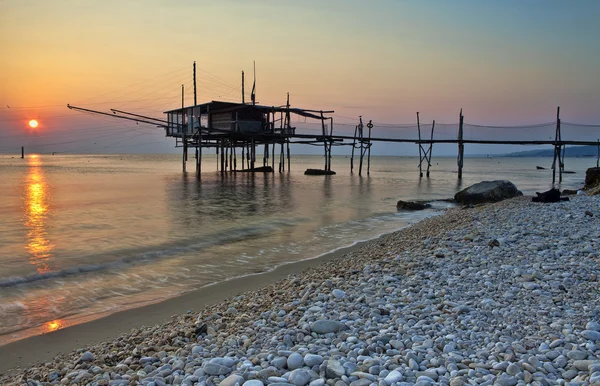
[
  {"x": 195, "y": 97},
  {"x": 556, "y": 146},
  {"x": 461, "y": 146},
  {"x": 273, "y": 156},
  {"x": 243, "y": 96},
  {"x": 430, "y": 149},
  {"x": 234, "y": 159},
  {"x": 222, "y": 156},
  {"x": 184, "y": 155},
  {"x": 420, "y": 152},
  {"x": 288, "y": 154},
  {"x": 370, "y": 126},
  {"x": 22, "y": 152},
  {"x": 199, "y": 148},
  {"x": 253, "y": 155},
  {"x": 353, "y": 147},
  {"x": 360, "y": 140}
]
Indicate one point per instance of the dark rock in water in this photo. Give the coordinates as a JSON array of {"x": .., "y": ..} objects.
[
  {"x": 569, "y": 192},
  {"x": 487, "y": 191},
  {"x": 412, "y": 205},
  {"x": 588, "y": 213},
  {"x": 318, "y": 172},
  {"x": 552, "y": 195},
  {"x": 540, "y": 168},
  {"x": 260, "y": 169}
]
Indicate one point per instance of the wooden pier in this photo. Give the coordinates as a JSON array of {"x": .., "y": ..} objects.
[{"x": 237, "y": 130}]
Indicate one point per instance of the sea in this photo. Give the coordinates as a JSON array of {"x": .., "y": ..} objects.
[{"x": 82, "y": 237}]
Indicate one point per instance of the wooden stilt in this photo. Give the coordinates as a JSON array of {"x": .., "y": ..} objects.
[
  {"x": 184, "y": 155},
  {"x": 430, "y": 149},
  {"x": 420, "y": 146},
  {"x": 461, "y": 145},
  {"x": 234, "y": 159},
  {"x": 288, "y": 154},
  {"x": 353, "y": 148},
  {"x": 370, "y": 126},
  {"x": 253, "y": 159},
  {"x": 557, "y": 149}
]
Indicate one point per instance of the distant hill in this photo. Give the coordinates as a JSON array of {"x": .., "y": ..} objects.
[{"x": 572, "y": 151}]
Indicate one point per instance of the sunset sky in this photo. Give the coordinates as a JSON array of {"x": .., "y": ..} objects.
[{"x": 504, "y": 62}]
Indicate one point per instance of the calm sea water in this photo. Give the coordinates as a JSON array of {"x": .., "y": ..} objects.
[{"x": 84, "y": 236}]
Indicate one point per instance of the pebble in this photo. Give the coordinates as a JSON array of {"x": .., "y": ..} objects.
[{"x": 295, "y": 361}]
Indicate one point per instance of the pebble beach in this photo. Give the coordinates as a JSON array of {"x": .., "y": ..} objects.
[{"x": 499, "y": 294}]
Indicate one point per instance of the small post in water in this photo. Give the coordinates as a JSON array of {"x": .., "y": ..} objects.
[{"x": 22, "y": 152}]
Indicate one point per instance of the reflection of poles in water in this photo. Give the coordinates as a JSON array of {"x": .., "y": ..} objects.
[{"x": 36, "y": 212}]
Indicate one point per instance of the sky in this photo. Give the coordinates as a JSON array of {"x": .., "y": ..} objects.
[{"x": 504, "y": 63}]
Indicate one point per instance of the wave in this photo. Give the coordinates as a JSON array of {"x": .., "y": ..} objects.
[{"x": 140, "y": 257}]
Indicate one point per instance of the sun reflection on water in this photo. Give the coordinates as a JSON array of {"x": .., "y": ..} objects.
[
  {"x": 36, "y": 212},
  {"x": 53, "y": 325}
]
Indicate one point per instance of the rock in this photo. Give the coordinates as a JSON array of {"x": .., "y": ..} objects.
[
  {"x": 211, "y": 368},
  {"x": 317, "y": 382},
  {"x": 590, "y": 335},
  {"x": 592, "y": 177},
  {"x": 299, "y": 377},
  {"x": 458, "y": 381},
  {"x": 569, "y": 192},
  {"x": 326, "y": 326},
  {"x": 494, "y": 243},
  {"x": 253, "y": 382},
  {"x": 227, "y": 362},
  {"x": 513, "y": 369},
  {"x": 87, "y": 357},
  {"x": 589, "y": 214},
  {"x": 594, "y": 326},
  {"x": 506, "y": 380},
  {"x": 487, "y": 191},
  {"x": 582, "y": 365},
  {"x": 313, "y": 360},
  {"x": 552, "y": 195},
  {"x": 361, "y": 382},
  {"x": 232, "y": 380},
  {"x": 412, "y": 205},
  {"x": 338, "y": 293},
  {"x": 393, "y": 377},
  {"x": 318, "y": 172},
  {"x": 295, "y": 361},
  {"x": 334, "y": 369},
  {"x": 577, "y": 355}
]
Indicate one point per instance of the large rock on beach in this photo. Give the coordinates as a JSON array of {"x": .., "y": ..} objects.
[
  {"x": 487, "y": 191},
  {"x": 326, "y": 326},
  {"x": 592, "y": 181},
  {"x": 412, "y": 205}
]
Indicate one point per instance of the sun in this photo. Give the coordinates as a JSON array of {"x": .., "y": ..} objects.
[{"x": 33, "y": 123}]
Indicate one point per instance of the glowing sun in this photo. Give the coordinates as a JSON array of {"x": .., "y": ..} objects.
[{"x": 33, "y": 123}]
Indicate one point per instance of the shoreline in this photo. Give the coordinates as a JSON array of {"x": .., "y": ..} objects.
[
  {"x": 502, "y": 293},
  {"x": 45, "y": 347}
]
